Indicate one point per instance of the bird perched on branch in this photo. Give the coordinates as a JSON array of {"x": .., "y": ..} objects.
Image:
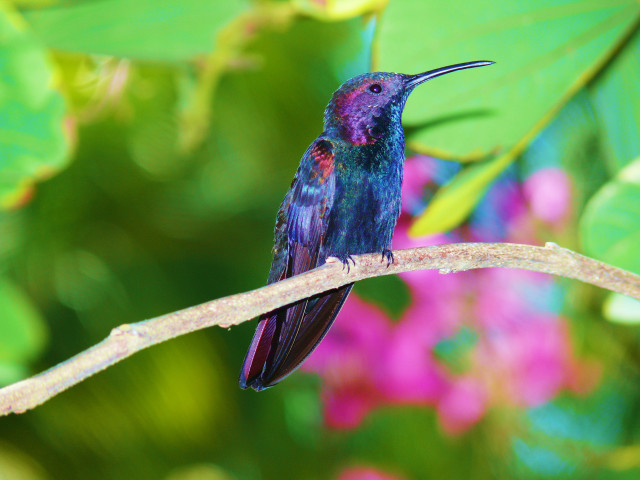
[{"x": 344, "y": 200}]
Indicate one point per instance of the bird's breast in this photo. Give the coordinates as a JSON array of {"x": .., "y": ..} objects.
[{"x": 366, "y": 205}]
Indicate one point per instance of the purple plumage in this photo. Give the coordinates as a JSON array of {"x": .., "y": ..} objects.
[{"x": 344, "y": 200}]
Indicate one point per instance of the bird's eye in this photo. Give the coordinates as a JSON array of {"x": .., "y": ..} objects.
[{"x": 375, "y": 88}]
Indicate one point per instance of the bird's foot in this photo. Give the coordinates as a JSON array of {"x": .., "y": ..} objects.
[
  {"x": 388, "y": 254},
  {"x": 345, "y": 259}
]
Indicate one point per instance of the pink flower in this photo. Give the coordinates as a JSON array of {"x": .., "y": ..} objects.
[
  {"x": 418, "y": 171},
  {"x": 548, "y": 192},
  {"x": 409, "y": 373},
  {"x": 462, "y": 405},
  {"x": 346, "y": 407},
  {"x": 526, "y": 363}
]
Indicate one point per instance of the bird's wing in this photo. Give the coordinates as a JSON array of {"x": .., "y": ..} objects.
[{"x": 285, "y": 337}]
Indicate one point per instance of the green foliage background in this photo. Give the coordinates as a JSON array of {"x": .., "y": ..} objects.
[{"x": 145, "y": 147}]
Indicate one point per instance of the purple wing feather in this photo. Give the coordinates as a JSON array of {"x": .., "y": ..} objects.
[{"x": 285, "y": 337}]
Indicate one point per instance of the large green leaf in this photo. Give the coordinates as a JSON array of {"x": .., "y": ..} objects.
[
  {"x": 545, "y": 50},
  {"x": 166, "y": 30},
  {"x": 610, "y": 226},
  {"x": 616, "y": 100},
  {"x": 22, "y": 331},
  {"x": 32, "y": 142}
]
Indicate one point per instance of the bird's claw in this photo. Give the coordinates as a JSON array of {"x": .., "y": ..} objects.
[
  {"x": 345, "y": 262},
  {"x": 388, "y": 254}
]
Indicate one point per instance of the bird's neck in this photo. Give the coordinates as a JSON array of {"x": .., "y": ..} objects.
[
  {"x": 353, "y": 132},
  {"x": 386, "y": 152},
  {"x": 360, "y": 132}
]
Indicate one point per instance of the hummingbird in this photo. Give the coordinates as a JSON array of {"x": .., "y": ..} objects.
[{"x": 344, "y": 200}]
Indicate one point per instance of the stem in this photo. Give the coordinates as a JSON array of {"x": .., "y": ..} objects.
[{"x": 126, "y": 340}]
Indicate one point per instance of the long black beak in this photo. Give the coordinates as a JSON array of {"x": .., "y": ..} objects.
[{"x": 413, "y": 80}]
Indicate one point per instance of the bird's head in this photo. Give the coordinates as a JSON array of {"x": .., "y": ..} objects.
[{"x": 364, "y": 107}]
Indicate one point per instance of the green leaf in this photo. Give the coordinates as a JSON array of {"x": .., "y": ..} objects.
[
  {"x": 189, "y": 368},
  {"x": 201, "y": 471},
  {"x": 32, "y": 141},
  {"x": 455, "y": 351},
  {"x": 560, "y": 438},
  {"x": 616, "y": 101},
  {"x": 22, "y": 331},
  {"x": 389, "y": 293},
  {"x": 167, "y": 30},
  {"x": 621, "y": 309},
  {"x": 12, "y": 372},
  {"x": 545, "y": 51},
  {"x": 17, "y": 464},
  {"x": 153, "y": 132},
  {"x": 610, "y": 225}
]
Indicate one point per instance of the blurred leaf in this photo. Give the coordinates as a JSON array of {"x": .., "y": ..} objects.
[
  {"x": 616, "y": 99},
  {"x": 389, "y": 293},
  {"x": 567, "y": 438},
  {"x": 35, "y": 3},
  {"x": 12, "y": 372},
  {"x": 153, "y": 132},
  {"x": 610, "y": 225},
  {"x": 32, "y": 143},
  {"x": 83, "y": 280},
  {"x": 203, "y": 471},
  {"x": 338, "y": 9},
  {"x": 492, "y": 110},
  {"x": 17, "y": 465},
  {"x": 398, "y": 436},
  {"x": 92, "y": 86},
  {"x": 166, "y": 30},
  {"x": 621, "y": 309},
  {"x": 12, "y": 235},
  {"x": 452, "y": 204},
  {"x": 455, "y": 351},
  {"x": 170, "y": 395},
  {"x": 22, "y": 331},
  {"x": 303, "y": 413},
  {"x": 199, "y": 84},
  {"x": 624, "y": 458}
]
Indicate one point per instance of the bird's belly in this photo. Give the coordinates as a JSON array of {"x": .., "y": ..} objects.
[{"x": 363, "y": 219}]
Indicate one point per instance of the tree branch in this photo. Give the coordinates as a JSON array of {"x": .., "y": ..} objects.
[{"x": 126, "y": 340}]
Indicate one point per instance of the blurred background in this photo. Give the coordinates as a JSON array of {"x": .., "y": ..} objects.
[{"x": 145, "y": 148}]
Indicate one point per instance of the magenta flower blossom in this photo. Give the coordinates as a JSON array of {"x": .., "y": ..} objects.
[
  {"x": 468, "y": 340},
  {"x": 417, "y": 175},
  {"x": 548, "y": 194}
]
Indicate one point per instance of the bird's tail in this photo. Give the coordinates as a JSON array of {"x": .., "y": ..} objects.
[{"x": 285, "y": 337}]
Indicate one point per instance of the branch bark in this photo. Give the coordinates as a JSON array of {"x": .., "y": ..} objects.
[{"x": 126, "y": 340}]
